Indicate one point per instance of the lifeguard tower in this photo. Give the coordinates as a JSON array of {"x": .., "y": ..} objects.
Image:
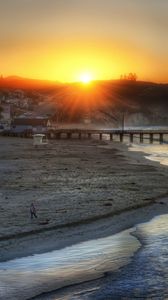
[{"x": 39, "y": 139}]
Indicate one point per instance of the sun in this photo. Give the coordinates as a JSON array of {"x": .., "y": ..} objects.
[{"x": 86, "y": 78}]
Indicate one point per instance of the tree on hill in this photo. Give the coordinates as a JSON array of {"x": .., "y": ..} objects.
[{"x": 130, "y": 77}]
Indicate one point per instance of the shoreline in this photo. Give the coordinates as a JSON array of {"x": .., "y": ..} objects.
[
  {"x": 137, "y": 216},
  {"x": 58, "y": 236},
  {"x": 107, "y": 228},
  {"x": 108, "y": 281}
]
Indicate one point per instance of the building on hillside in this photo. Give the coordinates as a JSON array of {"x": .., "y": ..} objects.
[
  {"x": 6, "y": 112},
  {"x": 34, "y": 125},
  {"x": 5, "y": 116}
]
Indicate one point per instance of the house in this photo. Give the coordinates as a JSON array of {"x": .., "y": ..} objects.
[
  {"x": 5, "y": 116},
  {"x": 34, "y": 125},
  {"x": 6, "y": 112}
]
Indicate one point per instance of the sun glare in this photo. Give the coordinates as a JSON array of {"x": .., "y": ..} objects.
[{"x": 85, "y": 78}]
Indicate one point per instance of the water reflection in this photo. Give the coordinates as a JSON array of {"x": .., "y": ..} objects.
[
  {"x": 157, "y": 153},
  {"x": 146, "y": 277},
  {"x": 143, "y": 275},
  {"x": 26, "y": 277}
]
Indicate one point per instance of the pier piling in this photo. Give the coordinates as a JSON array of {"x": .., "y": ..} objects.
[
  {"x": 161, "y": 138},
  {"x": 111, "y": 137},
  {"x": 131, "y": 138},
  {"x": 141, "y": 137},
  {"x": 121, "y": 137},
  {"x": 151, "y": 138}
]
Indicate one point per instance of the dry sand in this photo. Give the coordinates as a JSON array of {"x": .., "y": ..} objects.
[{"x": 71, "y": 182}]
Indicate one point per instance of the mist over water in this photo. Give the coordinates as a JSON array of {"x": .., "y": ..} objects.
[{"x": 156, "y": 152}]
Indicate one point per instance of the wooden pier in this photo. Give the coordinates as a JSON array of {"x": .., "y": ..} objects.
[{"x": 111, "y": 134}]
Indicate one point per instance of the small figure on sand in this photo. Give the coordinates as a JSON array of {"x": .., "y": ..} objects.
[{"x": 33, "y": 213}]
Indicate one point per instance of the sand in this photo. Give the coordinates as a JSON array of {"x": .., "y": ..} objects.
[{"x": 72, "y": 183}]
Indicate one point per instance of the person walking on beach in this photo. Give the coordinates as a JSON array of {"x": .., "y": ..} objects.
[{"x": 33, "y": 213}]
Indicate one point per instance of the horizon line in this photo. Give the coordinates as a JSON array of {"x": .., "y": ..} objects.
[{"x": 17, "y": 77}]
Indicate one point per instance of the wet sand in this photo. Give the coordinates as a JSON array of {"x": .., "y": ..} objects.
[{"x": 72, "y": 184}]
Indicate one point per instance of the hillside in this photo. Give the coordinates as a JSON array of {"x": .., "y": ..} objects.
[
  {"x": 103, "y": 102},
  {"x": 16, "y": 82}
]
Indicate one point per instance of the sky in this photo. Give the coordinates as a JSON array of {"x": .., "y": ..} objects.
[{"x": 64, "y": 40}]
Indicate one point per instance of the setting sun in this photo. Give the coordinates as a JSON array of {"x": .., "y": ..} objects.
[{"x": 85, "y": 78}]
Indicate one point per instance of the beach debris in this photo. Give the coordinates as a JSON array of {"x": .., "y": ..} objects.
[
  {"x": 107, "y": 204},
  {"x": 45, "y": 222}
]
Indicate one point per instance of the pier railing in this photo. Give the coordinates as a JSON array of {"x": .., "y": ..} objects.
[{"x": 69, "y": 133}]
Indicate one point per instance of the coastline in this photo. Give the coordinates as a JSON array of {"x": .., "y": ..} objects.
[
  {"x": 143, "y": 276},
  {"x": 47, "y": 241},
  {"x": 92, "y": 233},
  {"x": 44, "y": 239}
]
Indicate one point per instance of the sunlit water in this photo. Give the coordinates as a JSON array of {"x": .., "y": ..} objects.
[
  {"x": 145, "y": 277},
  {"x": 26, "y": 277},
  {"x": 158, "y": 153},
  {"x": 143, "y": 268}
]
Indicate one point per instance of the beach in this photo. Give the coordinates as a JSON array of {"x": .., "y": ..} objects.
[
  {"x": 71, "y": 183},
  {"x": 86, "y": 189}
]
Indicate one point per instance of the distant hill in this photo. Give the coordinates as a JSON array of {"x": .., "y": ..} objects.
[
  {"x": 142, "y": 103},
  {"x": 16, "y": 82}
]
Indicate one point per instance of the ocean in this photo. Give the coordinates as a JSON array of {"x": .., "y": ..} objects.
[
  {"x": 145, "y": 277},
  {"x": 155, "y": 152}
]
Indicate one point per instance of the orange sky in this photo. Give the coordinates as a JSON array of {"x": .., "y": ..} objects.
[{"x": 62, "y": 39}]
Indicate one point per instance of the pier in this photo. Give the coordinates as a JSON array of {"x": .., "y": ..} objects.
[{"x": 111, "y": 134}]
